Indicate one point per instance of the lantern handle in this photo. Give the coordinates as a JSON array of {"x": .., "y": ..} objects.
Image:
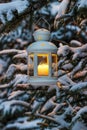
[{"x": 45, "y": 22}]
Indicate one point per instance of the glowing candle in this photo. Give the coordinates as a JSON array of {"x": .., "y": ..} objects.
[{"x": 43, "y": 70}]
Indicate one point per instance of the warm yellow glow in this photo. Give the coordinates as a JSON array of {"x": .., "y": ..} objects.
[
  {"x": 43, "y": 70},
  {"x": 54, "y": 55}
]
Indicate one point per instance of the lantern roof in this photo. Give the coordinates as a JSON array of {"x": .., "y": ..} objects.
[
  {"x": 42, "y": 46},
  {"x": 41, "y": 35}
]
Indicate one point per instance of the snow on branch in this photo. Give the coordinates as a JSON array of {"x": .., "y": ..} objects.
[
  {"x": 81, "y": 112},
  {"x": 79, "y": 87},
  {"x": 11, "y": 12},
  {"x": 62, "y": 10},
  {"x": 11, "y": 51},
  {"x": 82, "y": 5}
]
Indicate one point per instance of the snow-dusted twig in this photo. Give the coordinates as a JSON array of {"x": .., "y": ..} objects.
[
  {"x": 23, "y": 55},
  {"x": 15, "y": 93},
  {"x": 78, "y": 87},
  {"x": 43, "y": 116},
  {"x": 62, "y": 10},
  {"x": 81, "y": 112},
  {"x": 11, "y": 51}
]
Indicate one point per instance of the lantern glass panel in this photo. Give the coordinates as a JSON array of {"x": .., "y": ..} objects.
[
  {"x": 42, "y": 65},
  {"x": 54, "y": 65},
  {"x": 31, "y": 65}
]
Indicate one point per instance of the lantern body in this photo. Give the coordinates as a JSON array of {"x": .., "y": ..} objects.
[{"x": 42, "y": 61}]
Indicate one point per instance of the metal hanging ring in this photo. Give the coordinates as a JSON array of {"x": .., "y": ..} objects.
[{"x": 49, "y": 27}]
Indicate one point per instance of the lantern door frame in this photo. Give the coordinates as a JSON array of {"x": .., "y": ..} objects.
[{"x": 35, "y": 56}]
